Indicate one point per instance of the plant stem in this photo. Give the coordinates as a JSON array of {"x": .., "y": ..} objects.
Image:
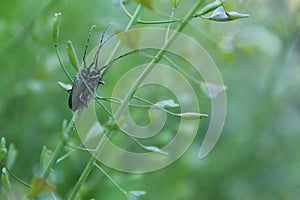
[
  {"x": 110, "y": 178},
  {"x": 88, "y": 168},
  {"x": 159, "y": 22},
  {"x": 17, "y": 178},
  {"x": 59, "y": 148}
]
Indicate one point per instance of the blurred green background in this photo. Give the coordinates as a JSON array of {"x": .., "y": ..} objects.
[{"x": 258, "y": 154}]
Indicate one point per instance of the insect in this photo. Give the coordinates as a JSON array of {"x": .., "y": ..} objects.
[{"x": 86, "y": 83}]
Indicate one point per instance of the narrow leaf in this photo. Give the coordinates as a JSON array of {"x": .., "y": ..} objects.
[
  {"x": 3, "y": 151},
  {"x": 64, "y": 137},
  {"x": 174, "y": 3},
  {"x": 212, "y": 90},
  {"x": 45, "y": 158},
  {"x": 191, "y": 115},
  {"x": 39, "y": 186},
  {"x": 11, "y": 156},
  {"x": 5, "y": 180},
  {"x": 72, "y": 56}
]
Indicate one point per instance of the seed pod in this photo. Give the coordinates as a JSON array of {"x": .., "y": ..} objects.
[{"x": 56, "y": 24}]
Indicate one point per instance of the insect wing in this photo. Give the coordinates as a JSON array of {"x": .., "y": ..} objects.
[{"x": 79, "y": 95}]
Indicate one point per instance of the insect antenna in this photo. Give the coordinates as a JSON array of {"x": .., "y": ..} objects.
[
  {"x": 87, "y": 44},
  {"x": 99, "y": 48},
  {"x": 121, "y": 56}
]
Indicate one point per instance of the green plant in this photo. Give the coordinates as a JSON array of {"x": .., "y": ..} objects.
[{"x": 48, "y": 160}]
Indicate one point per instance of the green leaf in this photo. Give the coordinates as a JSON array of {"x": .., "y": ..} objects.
[
  {"x": 5, "y": 180},
  {"x": 72, "y": 56},
  {"x": 135, "y": 195},
  {"x": 212, "y": 90},
  {"x": 45, "y": 158},
  {"x": 39, "y": 186},
  {"x": 191, "y": 115},
  {"x": 145, "y": 3},
  {"x": 64, "y": 138},
  {"x": 166, "y": 104},
  {"x": 67, "y": 87},
  {"x": 3, "y": 151},
  {"x": 11, "y": 156},
  {"x": 55, "y": 27},
  {"x": 209, "y": 7}
]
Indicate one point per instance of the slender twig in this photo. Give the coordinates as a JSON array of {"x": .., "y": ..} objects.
[
  {"x": 169, "y": 25},
  {"x": 61, "y": 63},
  {"x": 160, "y": 21},
  {"x": 181, "y": 70},
  {"x": 125, "y": 10},
  {"x": 110, "y": 178},
  {"x": 17, "y": 178}
]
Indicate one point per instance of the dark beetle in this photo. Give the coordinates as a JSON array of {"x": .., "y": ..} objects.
[
  {"x": 80, "y": 93},
  {"x": 87, "y": 82}
]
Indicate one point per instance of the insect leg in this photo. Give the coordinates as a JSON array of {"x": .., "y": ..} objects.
[{"x": 100, "y": 45}]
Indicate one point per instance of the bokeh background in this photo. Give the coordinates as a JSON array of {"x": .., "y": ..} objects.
[{"x": 258, "y": 154}]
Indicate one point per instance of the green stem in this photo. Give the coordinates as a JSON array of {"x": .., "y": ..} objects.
[
  {"x": 58, "y": 150},
  {"x": 17, "y": 178},
  {"x": 110, "y": 178},
  {"x": 61, "y": 63},
  {"x": 88, "y": 168},
  {"x": 159, "y": 22}
]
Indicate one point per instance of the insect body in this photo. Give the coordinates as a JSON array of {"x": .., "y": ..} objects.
[
  {"x": 80, "y": 93},
  {"x": 87, "y": 82}
]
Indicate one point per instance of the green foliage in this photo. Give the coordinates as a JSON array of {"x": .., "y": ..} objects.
[
  {"x": 3, "y": 151},
  {"x": 257, "y": 156},
  {"x": 72, "y": 56}
]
